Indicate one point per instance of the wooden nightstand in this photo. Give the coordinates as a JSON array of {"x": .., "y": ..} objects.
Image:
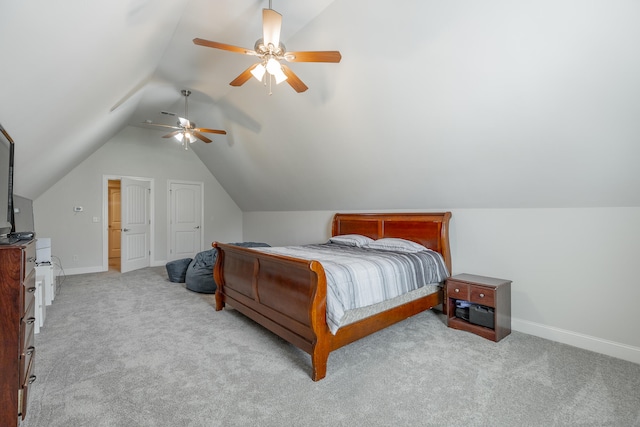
[{"x": 487, "y": 292}]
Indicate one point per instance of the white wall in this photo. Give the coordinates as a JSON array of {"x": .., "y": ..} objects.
[
  {"x": 573, "y": 270},
  {"x": 132, "y": 152}
]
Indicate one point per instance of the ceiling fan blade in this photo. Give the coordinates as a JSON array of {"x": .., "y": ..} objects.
[
  {"x": 244, "y": 76},
  {"x": 160, "y": 125},
  {"x": 205, "y": 130},
  {"x": 169, "y": 135},
  {"x": 223, "y": 46},
  {"x": 185, "y": 123},
  {"x": 201, "y": 137},
  {"x": 317, "y": 56},
  {"x": 293, "y": 80},
  {"x": 271, "y": 24}
]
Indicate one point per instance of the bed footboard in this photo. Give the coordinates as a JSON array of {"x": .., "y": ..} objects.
[{"x": 285, "y": 295}]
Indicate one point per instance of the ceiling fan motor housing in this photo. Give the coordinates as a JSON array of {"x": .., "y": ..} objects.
[{"x": 262, "y": 50}]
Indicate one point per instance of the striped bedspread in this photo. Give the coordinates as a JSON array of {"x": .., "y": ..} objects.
[{"x": 359, "y": 277}]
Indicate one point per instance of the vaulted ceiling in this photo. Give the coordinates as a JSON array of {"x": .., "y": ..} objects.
[{"x": 434, "y": 105}]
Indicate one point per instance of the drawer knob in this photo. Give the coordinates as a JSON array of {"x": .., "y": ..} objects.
[
  {"x": 30, "y": 350},
  {"x": 32, "y": 378},
  {"x": 31, "y": 290},
  {"x": 30, "y": 320},
  {"x": 481, "y": 295},
  {"x": 457, "y": 290}
]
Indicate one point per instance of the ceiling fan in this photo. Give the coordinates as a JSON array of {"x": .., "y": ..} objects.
[
  {"x": 271, "y": 52},
  {"x": 186, "y": 131}
]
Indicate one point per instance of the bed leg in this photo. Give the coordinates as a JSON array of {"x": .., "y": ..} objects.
[
  {"x": 319, "y": 360},
  {"x": 219, "y": 301}
]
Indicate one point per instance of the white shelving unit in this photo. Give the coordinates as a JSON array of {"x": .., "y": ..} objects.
[
  {"x": 46, "y": 271},
  {"x": 44, "y": 268},
  {"x": 40, "y": 310}
]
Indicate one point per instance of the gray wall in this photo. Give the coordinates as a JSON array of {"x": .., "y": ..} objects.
[
  {"x": 138, "y": 153},
  {"x": 23, "y": 213},
  {"x": 462, "y": 104},
  {"x": 573, "y": 270}
]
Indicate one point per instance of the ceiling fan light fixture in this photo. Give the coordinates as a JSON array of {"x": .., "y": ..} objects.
[
  {"x": 258, "y": 72},
  {"x": 275, "y": 69},
  {"x": 273, "y": 66},
  {"x": 185, "y": 138},
  {"x": 280, "y": 76}
]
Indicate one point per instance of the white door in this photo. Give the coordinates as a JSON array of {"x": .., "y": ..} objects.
[
  {"x": 185, "y": 220},
  {"x": 136, "y": 224}
]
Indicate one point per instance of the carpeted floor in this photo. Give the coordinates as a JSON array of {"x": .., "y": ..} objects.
[{"x": 137, "y": 350}]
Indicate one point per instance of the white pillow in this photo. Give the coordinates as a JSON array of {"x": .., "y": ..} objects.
[
  {"x": 396, "y": 245},
  {"x": 357, "y": 240}
]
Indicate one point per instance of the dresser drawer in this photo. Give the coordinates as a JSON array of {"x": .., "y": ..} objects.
[
  {"x": 29, "y": 378},
  {"x": 457, "y": 290},
  {"x": 483, "y": 296},
  {"x": 27, "y": 324},
  {"x": 27, "y": 353}
]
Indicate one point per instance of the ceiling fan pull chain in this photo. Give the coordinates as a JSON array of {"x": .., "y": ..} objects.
[{"x": 186, "y": 93}]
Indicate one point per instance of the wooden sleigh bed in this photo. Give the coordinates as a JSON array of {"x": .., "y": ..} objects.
[{"x": 288, "y": 295}]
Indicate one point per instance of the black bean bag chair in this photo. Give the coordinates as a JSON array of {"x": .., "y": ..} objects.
[
  {"x": 199, "y": 274},
  {"x": 177, "y": 269}
]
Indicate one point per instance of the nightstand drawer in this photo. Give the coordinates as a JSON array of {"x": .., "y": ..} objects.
[
  {"x": 483, "y": 296},
  {"x": 458, "y": 290}
]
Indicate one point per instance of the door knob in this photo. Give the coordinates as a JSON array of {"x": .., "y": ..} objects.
[
  {"x": 125, "y": 229},
  {"x": 196, "y": 227}
]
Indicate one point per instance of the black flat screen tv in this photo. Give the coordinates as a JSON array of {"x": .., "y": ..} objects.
[{"x": 7, "y": 223}]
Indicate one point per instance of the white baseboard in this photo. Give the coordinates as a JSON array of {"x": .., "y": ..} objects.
[
  {"x": 99, "y": 269},
  {"x": 587, "y": 342},
  {"x": 83, "y": 270}
]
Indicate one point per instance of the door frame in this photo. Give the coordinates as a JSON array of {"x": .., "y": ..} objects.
[
  {"x": 169, "y": 219},
  {"x": 105, "y": 215},
  {"x": 110, "y": 231}
]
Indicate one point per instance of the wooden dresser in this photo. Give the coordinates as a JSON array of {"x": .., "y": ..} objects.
[{"x": 17, "y": 351}]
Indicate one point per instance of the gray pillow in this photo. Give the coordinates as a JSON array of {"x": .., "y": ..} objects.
[
  {"x": 396, "y": 245},
  {"x": 357, "y": 240}
]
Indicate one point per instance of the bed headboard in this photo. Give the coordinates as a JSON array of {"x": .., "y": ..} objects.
[{"x": 428, "y": 229}]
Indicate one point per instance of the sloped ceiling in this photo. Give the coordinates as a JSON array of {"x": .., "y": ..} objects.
[{"x": 434, "y": 105}]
